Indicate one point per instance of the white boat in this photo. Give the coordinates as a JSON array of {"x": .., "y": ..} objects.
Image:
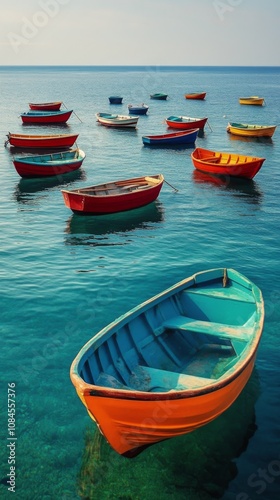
[{"x": 120, "y": 121}]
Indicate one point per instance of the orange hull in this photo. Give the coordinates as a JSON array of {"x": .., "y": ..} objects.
[
  {"x": 221, "y": 163},
  {"x": 173, "y": 363},
  {"x": 199, "y": 96},
  {"x": 148, "y": 422}
]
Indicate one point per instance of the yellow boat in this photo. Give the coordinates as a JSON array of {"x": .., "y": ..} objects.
[
  {"x": 247, "y": 130},
  {"x": 254, "y": 99}
]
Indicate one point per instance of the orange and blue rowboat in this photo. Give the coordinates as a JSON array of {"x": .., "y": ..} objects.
[{"x": 173, "y": 363}]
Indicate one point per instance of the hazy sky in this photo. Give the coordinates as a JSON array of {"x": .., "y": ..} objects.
[{"x": 140, "y": 32}]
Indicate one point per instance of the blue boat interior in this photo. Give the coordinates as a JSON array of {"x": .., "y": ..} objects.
[
  {"x": 187, "y": 340},
  {"x": 175, "y": 118}
]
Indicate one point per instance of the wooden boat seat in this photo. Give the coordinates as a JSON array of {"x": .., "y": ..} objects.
[
  {"x": 212, "y": 159},
  {"x": 209, "y": 328},
  {"x": 157, "y": 380}
]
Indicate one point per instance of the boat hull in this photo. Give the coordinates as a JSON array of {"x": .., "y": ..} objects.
[
  {"x": 183, "y": 123},
  {"x": 138, "y": 110},
  {"x": 147, "y": 423},
  {"x": 46, "y": 106},
  {"x": 46, "y": 117},
  {"x": 197, "y": 96},
  {"x": 102, "y": 203},
  {"x": 159, "y": 97},
  {"x": 254, "y": 101},
  {"x": 158, "y": 403},
  {"x": 245, "y": 130},
  {"x": 49, "y": 165},
  {"x": 115, "y": 100},
  {"x": 220, "y": 163},
  {"x": 42, "y": 141},
  {"x": 117, "y": 121},
  {"x": 177, "y": 138}
]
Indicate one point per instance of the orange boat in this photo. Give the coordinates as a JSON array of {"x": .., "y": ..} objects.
[
  {"x": 196, "y": 95},
  {"x": 46, "y": 106},
  {"x": 220, "y": 163},
  {"x": 173, "y": 363}
]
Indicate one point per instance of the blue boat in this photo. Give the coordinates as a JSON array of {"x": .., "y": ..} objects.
[
  {"x": 175, "y": 138},
  {"x": 141, "y": 109},
  {"x": 115, "y": 99},
  {"x": 173, "y": 363}
]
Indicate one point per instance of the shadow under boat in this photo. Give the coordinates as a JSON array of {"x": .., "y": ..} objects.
[
  {"x": 263, "y": 140},
  {"x": 247, "y": 188},
  {"x": 83, "y": 228},
  {"x": 200, "y": 464}
]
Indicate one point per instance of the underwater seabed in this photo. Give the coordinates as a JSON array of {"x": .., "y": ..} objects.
[{"x": 196, "y": 466}]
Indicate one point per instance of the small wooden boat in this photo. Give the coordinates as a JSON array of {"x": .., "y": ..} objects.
[
  {"x": 173, "y": 363},
  {"x": 255, "y": 100},
  {"x": 46, "y": 117},
  {"x": 196, "y": 95},
  {"x": 49, "y": 164},
  {"x": 220, "y": 163},
  {"x": 140, "y": 109},
  {"x": 46, "y": 106},
  {"x": 57, "y": 141},
  {"x": 159, "y": 96},
  {"x": 115, "y": 99},
  {"x": 247, "y": 130},
  {"x": 186, "y": 122},
  {"x": 116, "y": 196},
  {"x": 175, "y": 138},
  {"x": 119, "y": 121}
]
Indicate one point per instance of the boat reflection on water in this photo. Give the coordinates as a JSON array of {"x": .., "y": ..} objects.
[
  {"x": 27, "y": 187},
  {"x": 197, "y": 465},
  {"x": 245, "y": 188},
  {"x": 264, "y": 140},
  {"x": 83, "y": 230}
]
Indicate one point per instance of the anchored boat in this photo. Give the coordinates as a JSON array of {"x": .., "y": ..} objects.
[{"x": 173, "y": 363}]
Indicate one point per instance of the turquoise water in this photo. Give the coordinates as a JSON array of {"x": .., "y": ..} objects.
[{"x": 63, "y": 277}]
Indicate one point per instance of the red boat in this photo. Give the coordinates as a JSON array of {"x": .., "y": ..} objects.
[
  {"x": 116, "y": 196},
  {"x": 186, "y": 122},
  {"x": 196, "y": 95},
  {"x": 46, "y": 106},
  {"x": 46, "y": 116},
  {"x": 50, "y": 164},
  {"x": 58, "y": 141},
  {"x": 230, "y": 164}
]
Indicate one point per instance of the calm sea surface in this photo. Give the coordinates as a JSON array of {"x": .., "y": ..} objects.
[{"x": 63, "y": 277}]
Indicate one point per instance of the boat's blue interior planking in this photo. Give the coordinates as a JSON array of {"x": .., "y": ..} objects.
[{"x": 157, "y": 338}]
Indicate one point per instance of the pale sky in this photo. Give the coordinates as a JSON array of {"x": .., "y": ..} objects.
[{"x": 140, "y": 32}]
